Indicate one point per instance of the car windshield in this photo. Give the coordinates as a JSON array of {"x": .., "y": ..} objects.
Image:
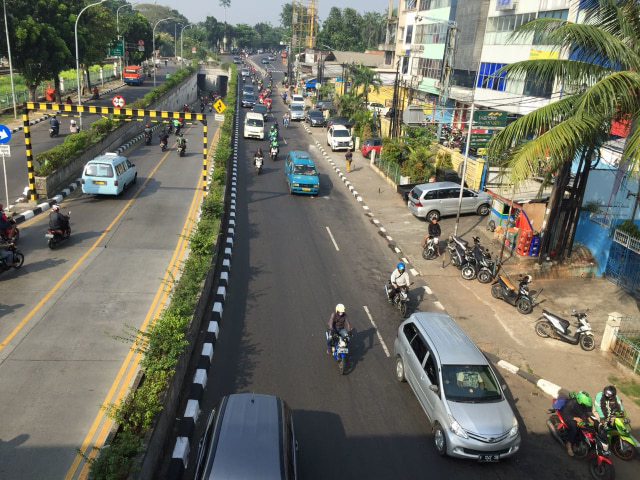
[
  {"x": 296, "y": 108},
  {"x": 341, "y": 133},
  {"x": 470, "y": 384},
  {"x": 248, "y": 96},
  {"x": 315, "y": 114},
  {"x": 304, "y": 170},
  {"x": 259, "y": 109},
  {"x": 254, "y": 122}
]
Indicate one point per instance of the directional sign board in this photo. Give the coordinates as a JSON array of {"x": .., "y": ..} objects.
[
  {"x": 480, "y": 139},
  {"x": 116, "y": 49},
  {"x": 490, "y": 118},
  {"x": 118, "y": 101},
  {"x": 5, "y": 134},
  {"x": 219, "y": 106},
  {"x": 5, "y": 150}
]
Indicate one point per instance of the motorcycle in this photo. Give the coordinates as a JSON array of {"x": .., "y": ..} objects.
[
  {"x": 485, "y": 264},
  {"x": 430, "y": 250},
  {"x": 401, "y": 299},
  {"x": 522, "y": 298},
  {"x": 591, "y": 444},
  {"x": 552, "y": 326},
  {"x": 95, "y": 96},
  {"x": 462, "y": 257},
  {"x": 182, "y": 149},
  {"x": 54, "y": 131},
  {"x": 57, "y": 235},
  {"x": 273, "y": 152},
  {"x": 169, "y": 128},
  {"x": 163, "y": 145},
  {"x": 147, "y": 138},
  {"x": 18, "y": 259},
  {"x": 257, "y": 161},
  {"x": 340, "y": 348},
  {"x": 618, "y": 430}
]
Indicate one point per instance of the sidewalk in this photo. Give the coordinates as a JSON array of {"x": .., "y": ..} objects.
[{"x": 495, "y": 326}]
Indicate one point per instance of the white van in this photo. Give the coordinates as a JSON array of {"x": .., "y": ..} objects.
[{"x": 254, "y": 125}]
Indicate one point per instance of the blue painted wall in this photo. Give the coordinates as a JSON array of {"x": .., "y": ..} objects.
[{"x": 596, "y": 238}]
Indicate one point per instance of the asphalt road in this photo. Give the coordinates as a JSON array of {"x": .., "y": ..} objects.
[
  {"x": 283, "y": 288},
  {"x": 62, "y": 313},
  {"x": 16, "y": 165}
]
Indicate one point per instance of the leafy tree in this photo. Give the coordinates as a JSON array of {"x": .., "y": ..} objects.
[
  {"x": 365, "y": 77},
  {"x": 133, "y": 28},
  {"x": 215, "y": 32},
  {"x": 600, "y": 83},
  {"x": 286, "y": 17}
]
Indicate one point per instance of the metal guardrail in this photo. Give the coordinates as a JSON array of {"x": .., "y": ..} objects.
[
  {"x": 626, "y": 240},
  {"x": 70, "y": 85}
]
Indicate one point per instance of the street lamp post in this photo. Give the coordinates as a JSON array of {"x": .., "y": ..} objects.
[
  {"x": 118, "y": 29},
  {"x": 153, "y": 51},
  {"x": 13, "y": 88},
  {"x": 78, "y": 56},
  {"x": 181, "y": 33},
  {"x": 175, "y": 39}
]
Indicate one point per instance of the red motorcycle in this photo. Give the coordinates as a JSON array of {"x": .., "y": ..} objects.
[{"x": 591, "y": 444}]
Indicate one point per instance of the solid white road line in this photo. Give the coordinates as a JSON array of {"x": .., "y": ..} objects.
[
  {"x": 333, "y": 239},
  {"x": 384, "y": 345},
  {"x": 428, "y": 290}
]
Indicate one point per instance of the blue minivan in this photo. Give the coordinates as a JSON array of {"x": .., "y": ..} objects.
[
  {"x": 301, "y": 173},
  {"x": 108, "y": 174}
]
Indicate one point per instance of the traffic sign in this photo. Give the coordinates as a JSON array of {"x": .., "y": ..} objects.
[
  {"x": 480, "y": 139},
  {"x": 116, "y": 49},
  {"x": 218, "y": 117},
  {"x": 5, "y": 150},
  {"x": 118, "y": 101},
  {"x": 219, "y": 106},
  {"x": 5, "y": 134},
  {"x": 490, "y": 118}
]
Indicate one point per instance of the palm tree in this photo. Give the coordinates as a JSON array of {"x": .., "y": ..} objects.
[
  {"x": 598, "y": 84},
  {"x": 365, "y": 77}
]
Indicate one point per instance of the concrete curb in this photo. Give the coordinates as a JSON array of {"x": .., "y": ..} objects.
[
  {"x": 381, "y": 230},
  {"x": 551, "y": 389},
  {"x": 187, "y": 423}
]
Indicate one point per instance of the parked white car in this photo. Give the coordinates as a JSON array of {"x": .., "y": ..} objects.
[
  {"x": 378, "y": 108},
  {"x": 297, "y": 100},
  {"x": 339, "y": 138}
]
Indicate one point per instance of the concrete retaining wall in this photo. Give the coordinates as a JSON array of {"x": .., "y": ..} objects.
[{"x": 46, "y": 187}]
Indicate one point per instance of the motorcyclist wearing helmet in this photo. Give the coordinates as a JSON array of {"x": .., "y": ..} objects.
[
  {"x": 258, "y": 154},
  {"x": 607, "y": 403},
  {"x": 576, "y": 409},
  {"x": 182, "y": 142},
  {"x": 399, "y": 278},
  {"x": 338, "y": 323},
  {"x": 58, "y": 221},
  {"x": 147, "y": 130},
  {"x": 54, "y": 123},
  {"x": 73, "y": 127}
]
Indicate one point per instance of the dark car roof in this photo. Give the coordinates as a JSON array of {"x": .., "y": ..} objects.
[
  {"x": 340, "y": 121},
  {"x": 373, "y": 141},
  {"x": 249, "y": 443},
  {"x": 249, "y": 96},
  {"x": 260, "y": 108},
  {"x": 315, "y": 113}
]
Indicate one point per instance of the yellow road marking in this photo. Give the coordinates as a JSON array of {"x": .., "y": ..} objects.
[{"x": 153, "y": 312}]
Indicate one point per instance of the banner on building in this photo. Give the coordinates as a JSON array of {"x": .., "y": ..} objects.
[
  {"x": 490, "y": 118},
  {"x": 535, "y": 54}
]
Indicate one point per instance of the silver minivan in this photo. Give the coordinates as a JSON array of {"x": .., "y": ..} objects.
[
  {"x": 437, "y": 199},
  {"x": 249, "y": 435},
  {"x": 457, "y": 389}
]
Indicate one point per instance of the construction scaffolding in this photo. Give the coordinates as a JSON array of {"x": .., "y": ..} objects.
[{"x": 303, "y": 24}]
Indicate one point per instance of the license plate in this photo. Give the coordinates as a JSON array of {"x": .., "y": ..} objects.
[
  {"x": 48, "y": 235},
  {"x": 343, "y": 350},
  {"x": 99, "y": 182},
  {"x": 489, "y": 458},
  {"x": 306, "y": 189}
]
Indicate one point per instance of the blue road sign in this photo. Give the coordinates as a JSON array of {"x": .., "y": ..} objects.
[{"x": 5, "y": 134}]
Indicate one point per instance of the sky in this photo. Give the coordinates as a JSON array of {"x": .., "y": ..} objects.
[{"x": 255, "y": 11}]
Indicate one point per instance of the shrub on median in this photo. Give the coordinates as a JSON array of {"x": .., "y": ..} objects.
[{"x": 164, "y": 341}]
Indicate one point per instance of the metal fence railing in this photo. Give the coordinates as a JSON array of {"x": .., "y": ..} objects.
[
  {"x": 627, "y": 343},
  {"x": 392, "y": 170},
  {"x": 70, "y": 84}
]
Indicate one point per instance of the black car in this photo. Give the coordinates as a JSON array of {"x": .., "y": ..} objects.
[
  {"x": 347, "y": 122},
  {"x": 248, "y": 100},
  {"x": 315, "y": 118},
  {"x": 260, "y": 109},
  {"x": 323, "y": 105}
]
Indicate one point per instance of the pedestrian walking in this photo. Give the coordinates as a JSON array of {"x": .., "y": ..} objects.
[{"x": 349, "y": 158}]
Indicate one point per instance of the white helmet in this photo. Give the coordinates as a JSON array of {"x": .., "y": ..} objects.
[
  {"x": 340, "y": 308},
  {"x": 55, "y": 208}
]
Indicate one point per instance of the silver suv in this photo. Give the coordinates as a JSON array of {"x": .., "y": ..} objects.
[
  {"x": 248, "y": 436},
  {"x": 457, "y": 389},
  {"x": 434, "y": 200}
]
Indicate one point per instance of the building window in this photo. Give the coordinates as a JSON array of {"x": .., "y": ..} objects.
[
  {"x": 560, "y": 14},
  {"x": 499, "y": 28},
  {"x": 536, "y": 88},
  {"x": 433, "y": 4},
  {"x": 488, "y": 78},
  {"x": 427, "y": 67},
  {"x": 431, "y": 33},
  {"x": 410, "y": 4},
  {"x": 407, "y": 40}
]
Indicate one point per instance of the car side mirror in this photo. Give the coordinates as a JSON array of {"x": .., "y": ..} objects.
[{"x": 434, "y": 388}]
